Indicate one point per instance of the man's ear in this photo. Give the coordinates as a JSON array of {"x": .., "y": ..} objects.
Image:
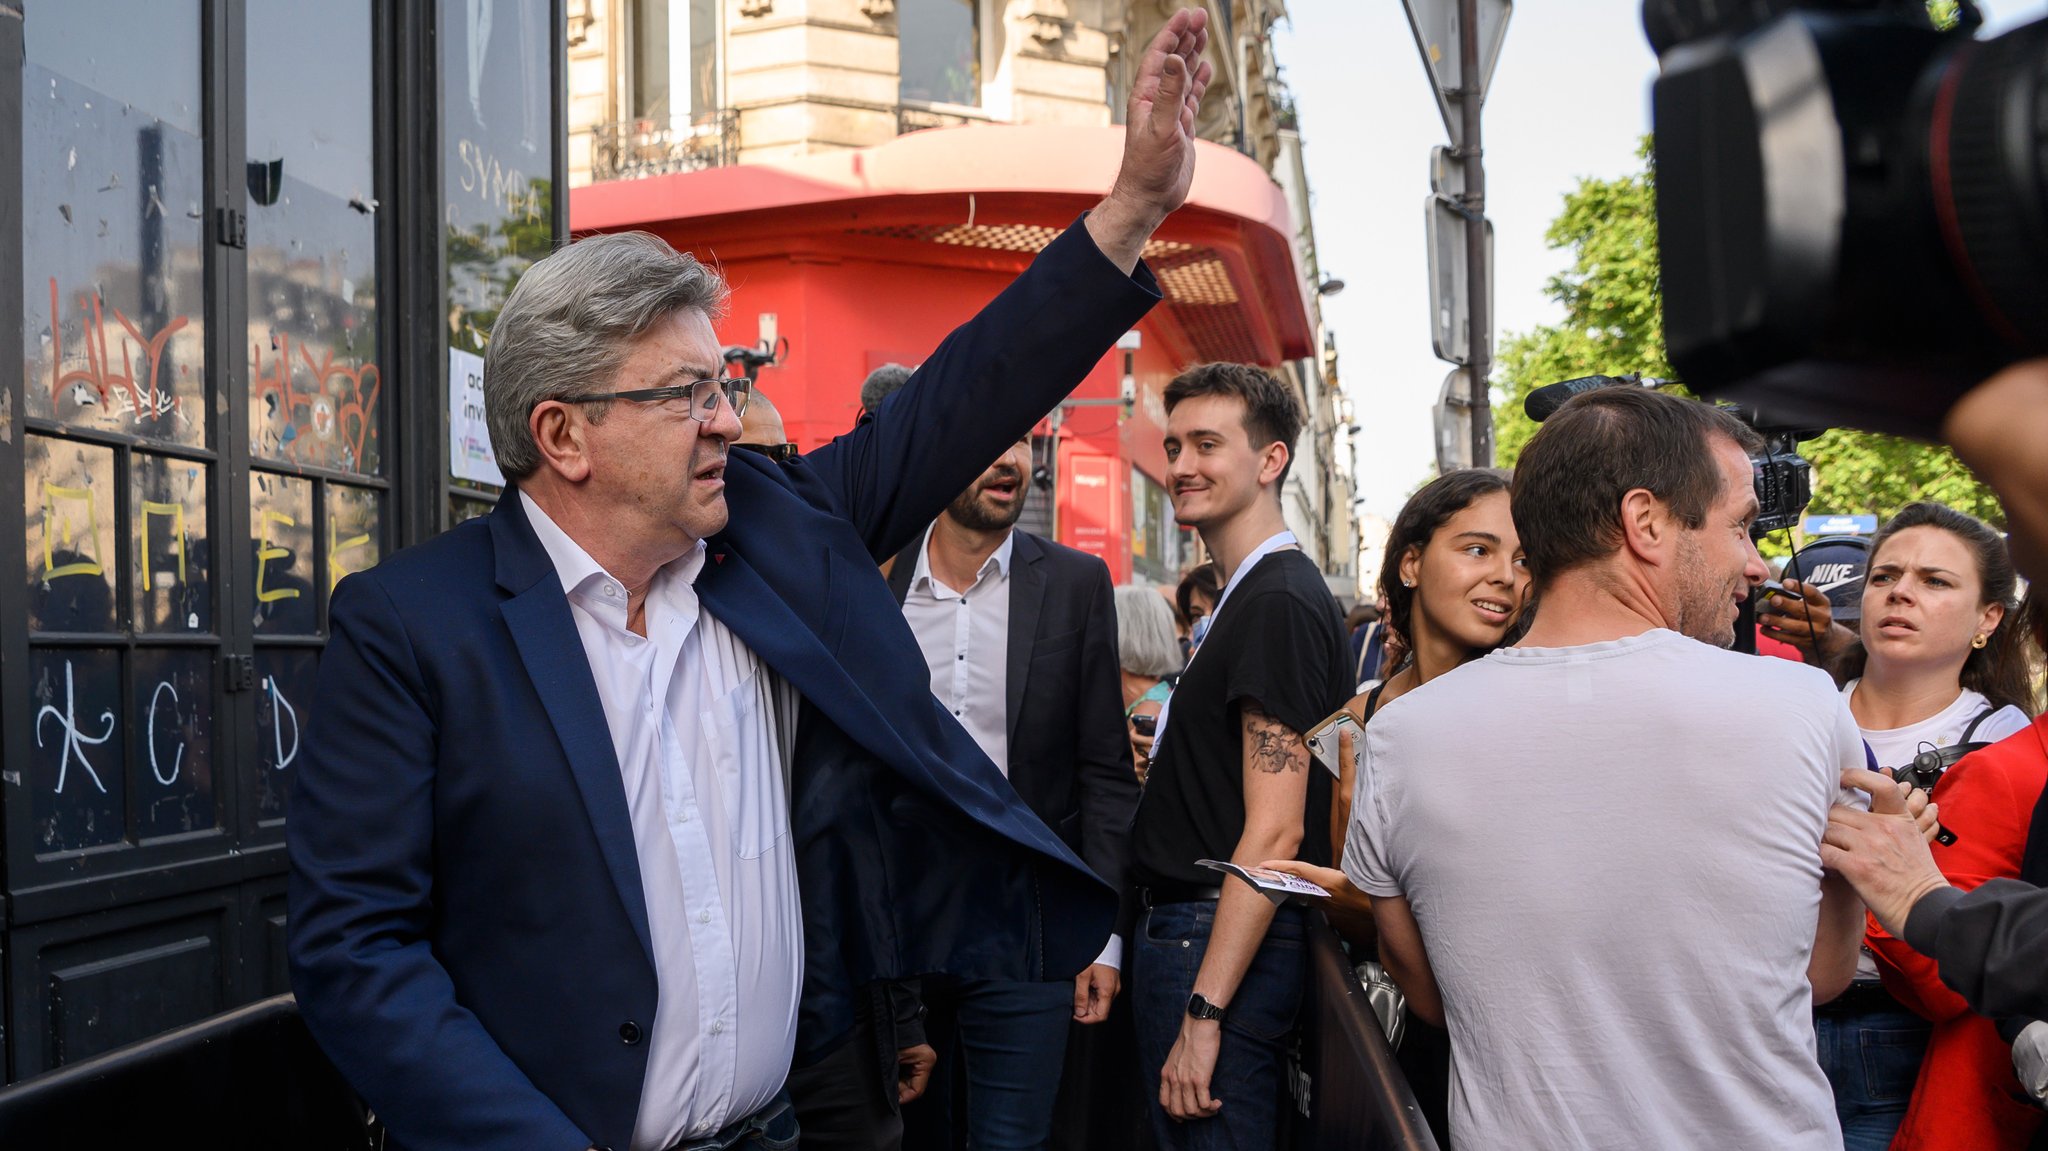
[
  {"x": 1274, "y": 462},
  {"x": 559, "y": 432},
  {"x": 1647, "y": 529}
]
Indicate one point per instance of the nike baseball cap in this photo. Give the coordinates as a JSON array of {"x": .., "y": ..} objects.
[{"x": 1834, "y": 566}]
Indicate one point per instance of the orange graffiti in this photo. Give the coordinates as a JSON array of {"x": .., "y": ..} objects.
[
  {"x": 332, "y": 423},
  {"x": 103, "y": 370}
]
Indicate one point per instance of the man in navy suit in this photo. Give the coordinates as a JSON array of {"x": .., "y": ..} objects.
[
  {"x": 1019, "y": 635},
  {"x": 572, "y": 763}
]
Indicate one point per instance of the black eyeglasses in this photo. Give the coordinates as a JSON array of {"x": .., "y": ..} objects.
[
  {"x": 780, "y": 453},
  {"x": 704, "y": 396}
]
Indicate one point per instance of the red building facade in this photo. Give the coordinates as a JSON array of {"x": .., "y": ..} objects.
[{"x": 864, "y": 257}]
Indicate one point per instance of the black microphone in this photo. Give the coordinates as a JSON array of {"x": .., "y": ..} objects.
[{"x": 1544, "y": 401}]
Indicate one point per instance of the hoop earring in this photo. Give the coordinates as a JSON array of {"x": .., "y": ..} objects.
[{"x": 1980, "y": 640}]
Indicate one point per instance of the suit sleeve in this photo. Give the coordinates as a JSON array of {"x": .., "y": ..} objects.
[
  {"x": 984, "y": 388},
  {"x": 360, "y": 841},
  {"x": 1109, "y": 788},
  {"x": 1989, "y": 943}
]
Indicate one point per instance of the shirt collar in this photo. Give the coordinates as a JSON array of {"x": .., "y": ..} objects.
[
  {"x": 921, "y": 575},
  {"x": 585, "y": 580}
]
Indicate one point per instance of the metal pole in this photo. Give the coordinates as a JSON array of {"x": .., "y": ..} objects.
[{"x": 1481, "y": 366}]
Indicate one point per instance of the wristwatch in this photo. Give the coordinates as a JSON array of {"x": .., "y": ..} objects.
[{"x": 1200, "y": 1008}]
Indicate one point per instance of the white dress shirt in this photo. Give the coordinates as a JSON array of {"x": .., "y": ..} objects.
[
  {"x": 704, "y": 735},
  {"x": 965, "y": 636},
  {"x": 966, "y": 640}
]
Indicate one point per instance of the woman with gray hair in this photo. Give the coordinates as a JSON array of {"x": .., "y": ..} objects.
[{"x": 1148, "y": 652}]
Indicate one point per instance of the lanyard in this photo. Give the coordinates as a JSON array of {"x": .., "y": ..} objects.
[{"x": 1283, "y": 539}]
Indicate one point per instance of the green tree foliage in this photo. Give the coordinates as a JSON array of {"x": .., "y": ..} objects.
[{"x": 1614, "y": 325}]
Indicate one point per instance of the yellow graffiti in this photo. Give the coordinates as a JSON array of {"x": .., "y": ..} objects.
[
  {"x": 335, "y": 546},
  {"x": 267, "y": 551},
  {"x": 88, "y": 565},
  {"x": 176, "y": 512}
]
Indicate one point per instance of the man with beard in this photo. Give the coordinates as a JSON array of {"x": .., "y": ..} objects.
[
  {"x": 1622, "y": 963},
  {"x": 1020, "y": 635}
]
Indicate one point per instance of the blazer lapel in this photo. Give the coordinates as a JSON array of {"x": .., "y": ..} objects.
[
  {"x": 1027, "y": 600},
  {"x": 545, "y": 633}
]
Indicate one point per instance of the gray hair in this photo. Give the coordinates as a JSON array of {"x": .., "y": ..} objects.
[
  {"x": 1145, "y": 640},
  {"x": 882, "y": 383},
  {"x": 569, "y": 324}
]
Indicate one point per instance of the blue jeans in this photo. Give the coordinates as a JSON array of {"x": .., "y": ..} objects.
[
  {"x": 1172, "y": 939},
  {"x": 1872, "y": 1058},
  {"x": 1012, "y": 1042}
]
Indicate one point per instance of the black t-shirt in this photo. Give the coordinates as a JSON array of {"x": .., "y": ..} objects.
[{"x": 1279, "y": 640}]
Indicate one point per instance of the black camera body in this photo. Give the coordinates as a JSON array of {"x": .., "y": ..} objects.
[{"x": 1852, "y": 206}]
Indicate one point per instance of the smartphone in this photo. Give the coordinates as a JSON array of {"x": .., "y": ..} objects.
[
  {"x": 1145, "y": 725},
  {"x": 1322, "y": 741}
]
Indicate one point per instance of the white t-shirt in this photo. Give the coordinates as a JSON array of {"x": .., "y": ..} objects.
[
  {"x": 1896, "y": 747},
  {"x": 1613, "y": 852}
]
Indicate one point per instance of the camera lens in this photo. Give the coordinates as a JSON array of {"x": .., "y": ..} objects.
[{"x": 1986, "y": 133}]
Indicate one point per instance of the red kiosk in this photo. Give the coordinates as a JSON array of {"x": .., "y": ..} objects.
[{"x": 863, "y": 257}]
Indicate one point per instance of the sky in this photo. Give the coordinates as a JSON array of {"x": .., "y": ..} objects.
[{"x": 1569, "y": 100}]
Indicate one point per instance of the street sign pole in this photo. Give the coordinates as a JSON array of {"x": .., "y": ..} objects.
[{"x": 1480, "y": 368}]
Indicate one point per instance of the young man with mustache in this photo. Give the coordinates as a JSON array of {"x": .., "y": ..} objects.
[{"x": 1218, "y": 975}]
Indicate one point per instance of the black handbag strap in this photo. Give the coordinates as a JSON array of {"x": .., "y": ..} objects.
[{"x": 1372, "y": 701}]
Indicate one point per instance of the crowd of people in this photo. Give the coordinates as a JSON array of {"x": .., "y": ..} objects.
[{"x": 701, "y": 799}]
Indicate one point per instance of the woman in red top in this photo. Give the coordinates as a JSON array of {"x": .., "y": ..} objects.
[{"x": 1966, "y": 1096}]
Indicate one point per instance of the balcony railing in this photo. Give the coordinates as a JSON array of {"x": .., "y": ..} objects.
[{"x": 631, "y": 149}]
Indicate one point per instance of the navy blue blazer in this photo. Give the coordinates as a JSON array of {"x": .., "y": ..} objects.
[{"x": 468, "y": 934}]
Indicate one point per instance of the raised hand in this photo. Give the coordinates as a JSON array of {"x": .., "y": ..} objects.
[{"x": 1159, "y": 139}]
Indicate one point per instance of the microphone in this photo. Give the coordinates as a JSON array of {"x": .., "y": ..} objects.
[{"x": 1544, "y": 401}]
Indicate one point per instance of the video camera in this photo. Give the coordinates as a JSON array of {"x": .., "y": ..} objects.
[
  {"x": 1852, "y": 205},
  {"x": 1783, "y": 478}
]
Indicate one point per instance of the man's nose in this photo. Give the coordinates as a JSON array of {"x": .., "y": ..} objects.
[{"x": 724, "y": 423}]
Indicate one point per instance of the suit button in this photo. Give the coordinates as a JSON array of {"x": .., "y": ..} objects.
[{"x": 630, "y": 1032}]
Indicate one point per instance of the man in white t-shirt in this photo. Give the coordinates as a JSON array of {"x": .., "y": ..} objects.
[{"x": 1623, "y": 959}]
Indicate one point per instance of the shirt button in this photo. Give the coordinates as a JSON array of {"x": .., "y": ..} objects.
[
  {"x": 718, "y": 1028},
  {"x": 610, "y": 590},
  {"x": 704, "y": 917}
]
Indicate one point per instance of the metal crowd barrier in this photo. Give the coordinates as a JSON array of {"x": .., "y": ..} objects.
[
  {"x": 1349, "y": 1091},
  {"x": 251, "y": 1079}
]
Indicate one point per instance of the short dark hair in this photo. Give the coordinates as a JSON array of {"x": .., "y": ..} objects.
[
  {"x": 1600, "y": 446},
  {"x": 1200, "y": 578},
  {"x": 1417, "y": 524},
  {"x": 1272, "y": 414}
]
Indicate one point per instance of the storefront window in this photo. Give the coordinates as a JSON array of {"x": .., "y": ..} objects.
[
  {"x": 497, "y": 165},
  {"x": 1159, "y": 548}
]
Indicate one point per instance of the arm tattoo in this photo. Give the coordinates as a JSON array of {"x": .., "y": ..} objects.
[{"x": 1275, "y": 747}]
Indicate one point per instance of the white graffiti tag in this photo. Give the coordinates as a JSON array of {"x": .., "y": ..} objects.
[
  {"x": 277, "y": 718},
  {"x": 74, "y": 739}
]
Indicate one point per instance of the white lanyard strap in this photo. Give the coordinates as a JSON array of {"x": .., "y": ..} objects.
[{"x": 1274, "y": 543}]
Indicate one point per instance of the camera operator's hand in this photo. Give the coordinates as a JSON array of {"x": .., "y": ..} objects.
[
  {"x": 1880, "y": 852},
  {"x": 2000, "y": 429},
  {"x": 1926, "y": 813},
  {"x": 1809, "y": 625}
]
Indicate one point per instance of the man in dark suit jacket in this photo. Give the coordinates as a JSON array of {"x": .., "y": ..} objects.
[
  {"x": 479, "y": 871},
  {"x": 1019, "y": 634}
]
